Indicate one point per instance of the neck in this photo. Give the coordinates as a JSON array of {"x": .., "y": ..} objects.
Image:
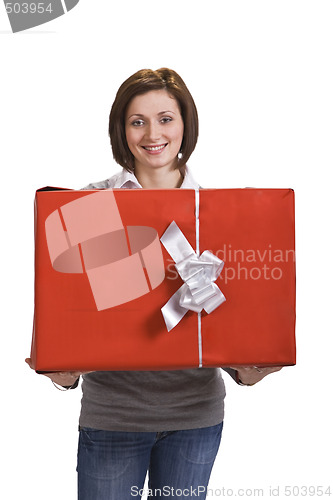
[{"x": 158, "y": 178}]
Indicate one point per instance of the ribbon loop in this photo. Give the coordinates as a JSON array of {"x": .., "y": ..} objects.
[{"x": 198, "y": 273}]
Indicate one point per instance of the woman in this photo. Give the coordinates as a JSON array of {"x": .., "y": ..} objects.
[{"x": 166, "y": 422}]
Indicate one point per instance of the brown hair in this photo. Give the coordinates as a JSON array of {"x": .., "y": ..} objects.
[{"x": 140, "y": 83}]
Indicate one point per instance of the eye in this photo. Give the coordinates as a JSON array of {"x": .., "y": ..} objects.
[
  {"x": 166, "y": 119},
  {"x": 137, "y": 123}
]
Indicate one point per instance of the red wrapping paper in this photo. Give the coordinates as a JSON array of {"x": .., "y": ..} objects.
[{"x": 251, "y": 230}]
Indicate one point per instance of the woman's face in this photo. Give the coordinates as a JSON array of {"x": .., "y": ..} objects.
[{"x": 154, "y": 129}]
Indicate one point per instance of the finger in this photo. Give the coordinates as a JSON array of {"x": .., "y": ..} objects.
[
  {"x": 262, "y": 368},
  {"x": 270, "y": 369},
  {"x": 275, "y": 369},
  {"x": 240, "y": 367},
  {"x": 29, "y": 362},
  {"x": 245, "y": 368}
]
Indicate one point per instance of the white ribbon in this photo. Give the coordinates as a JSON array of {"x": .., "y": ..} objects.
[{"x": 198, "y": 273}]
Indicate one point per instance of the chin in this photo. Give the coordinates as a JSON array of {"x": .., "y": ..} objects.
[{"x": 158, "y": 164}]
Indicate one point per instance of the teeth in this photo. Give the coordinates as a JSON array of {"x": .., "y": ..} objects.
[{"x": 154, "y": 148}]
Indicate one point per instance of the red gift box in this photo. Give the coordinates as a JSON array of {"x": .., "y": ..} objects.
[{"x": 102, "y": 277}]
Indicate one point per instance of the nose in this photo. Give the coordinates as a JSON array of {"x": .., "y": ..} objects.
[{"x": 153, "y": 131}]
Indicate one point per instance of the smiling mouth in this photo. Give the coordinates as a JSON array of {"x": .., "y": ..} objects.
[{"x": 155, "y": 148}]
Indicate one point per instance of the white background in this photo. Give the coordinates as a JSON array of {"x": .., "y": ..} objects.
[{"x": 261, "y": 75}]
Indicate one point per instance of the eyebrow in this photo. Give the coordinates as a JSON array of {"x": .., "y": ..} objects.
[{"x": 160, "y": 113}]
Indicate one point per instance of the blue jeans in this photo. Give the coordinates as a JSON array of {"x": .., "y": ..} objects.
[{"x": 113, "y": 465}]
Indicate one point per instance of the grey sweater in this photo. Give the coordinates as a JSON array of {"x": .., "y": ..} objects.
[{"x": 152, "y": 400}]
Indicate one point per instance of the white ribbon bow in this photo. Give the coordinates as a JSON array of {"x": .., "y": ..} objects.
[{"x": 198, "y": 273}]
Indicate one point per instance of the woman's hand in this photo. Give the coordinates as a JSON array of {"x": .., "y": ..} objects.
[
  {"x": 250, "y": 375},
  {"x": 66, "y": 379}
]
